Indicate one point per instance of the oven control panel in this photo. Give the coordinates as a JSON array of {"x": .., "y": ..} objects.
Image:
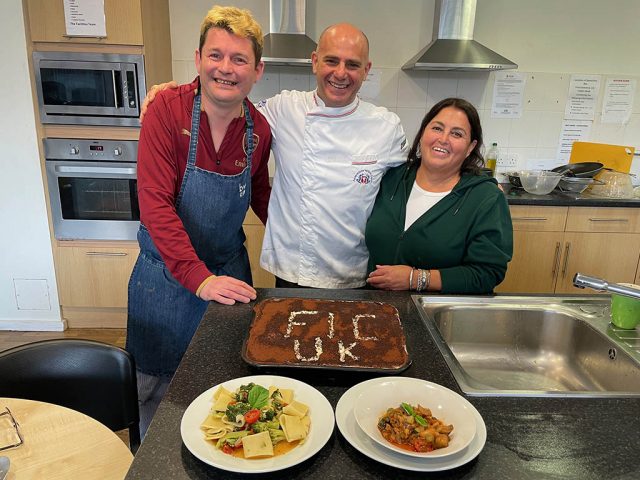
[{"x": 91, "y": 150}]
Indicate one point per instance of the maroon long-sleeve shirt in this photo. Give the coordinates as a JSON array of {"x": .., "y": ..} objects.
[{"x": 162, "y": 160}]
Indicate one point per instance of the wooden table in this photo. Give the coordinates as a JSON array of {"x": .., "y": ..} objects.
[{"x": 60, "y": 443}]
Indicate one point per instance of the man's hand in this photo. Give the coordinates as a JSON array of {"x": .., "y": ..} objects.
[
  {"x": 151, "y": 94},
  {"x": 390, "y": 277},
  {"x": 227, "y": 290}
]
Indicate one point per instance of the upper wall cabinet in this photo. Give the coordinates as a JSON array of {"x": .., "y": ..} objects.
[{"x": 123, "y": 22}]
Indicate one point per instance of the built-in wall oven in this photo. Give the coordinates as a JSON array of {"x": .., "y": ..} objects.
[
  {"x": 89, "y": 88},
  {"x": 93, "y": 188}
]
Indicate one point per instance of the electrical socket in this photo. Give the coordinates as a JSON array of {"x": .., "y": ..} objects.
[{"x": 508, "y": 161}]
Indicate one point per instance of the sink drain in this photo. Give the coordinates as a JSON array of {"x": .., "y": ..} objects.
[{"x": 612, "y": 353}]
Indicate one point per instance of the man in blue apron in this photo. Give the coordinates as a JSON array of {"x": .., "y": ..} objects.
[{"x": 202, "y": 162}]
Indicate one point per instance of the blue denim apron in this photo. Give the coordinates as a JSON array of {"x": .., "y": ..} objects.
[{"x": 162, "y": 314}]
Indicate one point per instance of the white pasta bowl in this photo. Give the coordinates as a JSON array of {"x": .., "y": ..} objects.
[{"x": 444, "y": 404}]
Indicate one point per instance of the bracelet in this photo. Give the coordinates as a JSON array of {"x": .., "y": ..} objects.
[
  {"x": 419, "y": 281},
  {"x": 411, "y": 279},
  {"x": 423, "y": 283},
  {"x": 426, "y": 287}
]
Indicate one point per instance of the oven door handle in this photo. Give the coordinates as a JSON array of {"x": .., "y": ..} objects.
[{"x": 115, "y": 170}]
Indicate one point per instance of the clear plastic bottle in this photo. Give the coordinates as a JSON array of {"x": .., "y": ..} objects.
[{"x": 491, "y": 158}]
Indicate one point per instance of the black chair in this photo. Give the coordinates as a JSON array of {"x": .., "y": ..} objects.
[{"x": 91, "y": 377}]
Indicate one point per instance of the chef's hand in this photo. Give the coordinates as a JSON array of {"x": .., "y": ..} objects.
[
  {"x": 227, "y": 290},
  {"x": 390, "y": 277},
  {"x": 151, "y": 94}
]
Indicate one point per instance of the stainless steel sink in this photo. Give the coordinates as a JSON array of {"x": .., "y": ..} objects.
[{"x": 534, "y": 346}]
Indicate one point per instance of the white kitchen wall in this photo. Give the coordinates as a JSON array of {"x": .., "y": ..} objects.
[
  {"x": 548, "y": 39},
  {"x": 28, "y": 292}
]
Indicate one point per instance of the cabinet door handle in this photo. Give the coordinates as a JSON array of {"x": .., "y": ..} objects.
[
  {"x": 106, "y": 254},
  {"x": 567, "y": 251},
  {"x": 530, "y": 219},
  {"x": 556, "y": 261},
  {"x": 625, "y": 220}
]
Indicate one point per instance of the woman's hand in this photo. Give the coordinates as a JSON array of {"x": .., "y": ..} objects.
[
  {"x": 390, "y": 277},
  {"x": 151, "y": 94},
  {"x": 227, "y": 290}
]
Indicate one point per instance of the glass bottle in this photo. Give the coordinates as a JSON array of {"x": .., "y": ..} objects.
[{"x": 491, "y": 158}]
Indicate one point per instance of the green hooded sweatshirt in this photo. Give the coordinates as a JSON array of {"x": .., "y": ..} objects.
[{"x": 467, "y": 235}]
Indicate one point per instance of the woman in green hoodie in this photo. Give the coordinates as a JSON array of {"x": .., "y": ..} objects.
[{"x": 438, "y": 224}]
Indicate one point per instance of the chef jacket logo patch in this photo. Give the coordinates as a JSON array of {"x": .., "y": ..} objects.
[
  {"x": 243, "y": 189},
  {"x": 363, "y": 177}
]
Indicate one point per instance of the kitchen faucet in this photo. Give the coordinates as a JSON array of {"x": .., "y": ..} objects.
[{"x": 582, "y": 281}]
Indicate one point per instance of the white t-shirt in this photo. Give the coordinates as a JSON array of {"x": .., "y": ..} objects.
[{"x": 420, "y": 201}]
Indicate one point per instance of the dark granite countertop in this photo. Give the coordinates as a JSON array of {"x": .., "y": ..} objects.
[
  {"x": 517, "y": 196},
  {"x": 527, "y": 438}
]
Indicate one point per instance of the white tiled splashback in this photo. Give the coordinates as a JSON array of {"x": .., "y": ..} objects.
[{"x": 410, "y": 94}]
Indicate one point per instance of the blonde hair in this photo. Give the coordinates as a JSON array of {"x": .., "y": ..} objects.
[{"x": 234, "y": 20}]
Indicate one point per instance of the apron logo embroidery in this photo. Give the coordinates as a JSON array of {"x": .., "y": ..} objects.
[
  {"x": 256, "y": 141},
  {"x": 241, "y": 163},
  {"x": 363, "y": 177},
  {"x": 185, "y": 132},
  {"x": 243, "y": 189}
]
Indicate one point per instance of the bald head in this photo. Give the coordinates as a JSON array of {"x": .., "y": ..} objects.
[
  {"x": 346, "y": 33},
  {"x": 341, "y": 64}
]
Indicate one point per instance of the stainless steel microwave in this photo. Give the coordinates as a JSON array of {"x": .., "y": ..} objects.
[{"x": 89, "y": 88}]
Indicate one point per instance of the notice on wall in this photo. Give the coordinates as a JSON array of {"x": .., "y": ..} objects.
[
  {"x": 583, "y": 94},
  {"x": 572, "y": 131},
  {"x": 508, "y": 92},
  {"x": 85, "y": 18},
  {"x": 618, "y": 100}
]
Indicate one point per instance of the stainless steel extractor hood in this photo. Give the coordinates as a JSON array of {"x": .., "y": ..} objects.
[
  {"x": 287, "y": 43},
  {"x": 453, "y": 46}
]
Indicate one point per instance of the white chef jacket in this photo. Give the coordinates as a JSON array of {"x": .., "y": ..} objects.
[{"x": 329, "y": 163}]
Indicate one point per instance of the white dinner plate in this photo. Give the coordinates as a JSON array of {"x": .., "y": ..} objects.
[
  {"x": 320, "y": 412},
  {"x": 444, "y": 404},
  {"x": 346, "y": 421}
]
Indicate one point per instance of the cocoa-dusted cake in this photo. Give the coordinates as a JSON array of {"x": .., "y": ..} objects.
[{"x": 326, "y": 333}]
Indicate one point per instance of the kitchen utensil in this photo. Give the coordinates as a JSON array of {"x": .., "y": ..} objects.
[
  {"x": 539, "y": 182},
  {"x": 615, "y": 185},
  {"x": 617, "y": 157},
  {"x": 625, "y": 311},
  {"x": 514, "y": 179},
  {"x": 4, "y": 467},
  {"x": 580, "y": 170},
  {"x": 576, "y": 184}
]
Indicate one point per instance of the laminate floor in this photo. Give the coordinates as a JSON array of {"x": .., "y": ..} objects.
[{"x": 114, "y": 336}]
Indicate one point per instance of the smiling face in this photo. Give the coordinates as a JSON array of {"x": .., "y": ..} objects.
[
  {"x": 446, "y": 142},
  {"x": 227, "y": 68},
  {"x": 341, "y": 64}
]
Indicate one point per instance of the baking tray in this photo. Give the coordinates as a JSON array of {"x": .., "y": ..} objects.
[{"x": 375, "y": 333}]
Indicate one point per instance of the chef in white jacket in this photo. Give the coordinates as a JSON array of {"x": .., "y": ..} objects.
[{"x": 331, "y": 151}]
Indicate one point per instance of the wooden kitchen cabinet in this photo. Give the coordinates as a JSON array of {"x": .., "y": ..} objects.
[
  {"x": 599, "y": 242},
  {"x": 123, "y": 19},
  {"x": 92, "y": 281},
  {"x": 537, "y": 240},
  {"x": 612, "y": 256},
  {"x": 254, "y": 230}
]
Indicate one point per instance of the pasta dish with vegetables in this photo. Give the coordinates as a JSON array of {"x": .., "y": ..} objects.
[
  {"x": 254, "y": 421},
  {"x": 414, "y": 428}
]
